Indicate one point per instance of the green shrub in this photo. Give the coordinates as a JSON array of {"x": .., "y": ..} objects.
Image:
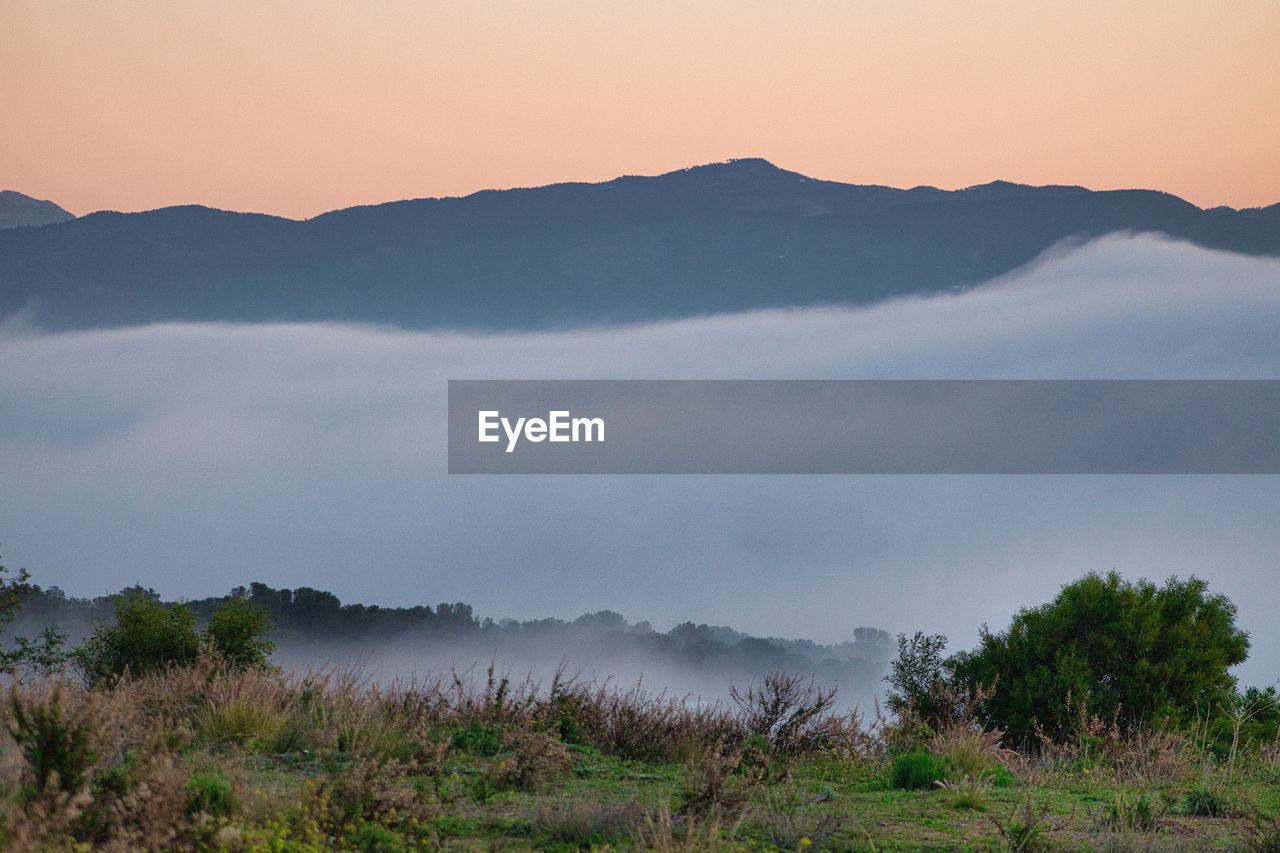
[
  {"x": 1206, "y": 802},
  {"x": 375, "y": 838},
  {"x": 241, "y": 721},
  {"x": 918, "y": 678},
  {"x": 148, "y": 637},
  {"x": 210, "y": 794},
  {"x": 236, "y": 631},
  {"x": 916, "y": 770},
  {"x": 1107, "y": 648},
  {"x": 55, "y": 740},
  {"x": 479, "y": 740}
]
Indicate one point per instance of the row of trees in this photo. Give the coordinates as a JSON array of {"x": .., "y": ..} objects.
[
  {"x": 147, "y": 636},
  {"x": 309, "y": 621}
]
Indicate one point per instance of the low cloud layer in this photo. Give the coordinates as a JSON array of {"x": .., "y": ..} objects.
[{"x": 194, "y": 458}]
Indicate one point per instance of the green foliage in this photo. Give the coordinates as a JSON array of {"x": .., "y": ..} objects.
[
  {"x": 56, "y": 742},
  {"x": 969, "y": 752},
  {"x": 564, "y": 716},
  {"x": 252, "y": 724},
  {"x": 1264, "y": 835},
  {"x": 483, "y": 788},
  {"x": 1206, "y": 802},
  {"x": 1126, "y": 813},
  {"x": 148, "y": 637},
  {"x": 1242, "y": 722},
  {"x": 210, "y": 794},
  {"x": 375, "y": 838},
  {"x": 917, "y": 678},
  {"x": 12, "y": 592},
  {"x": 142, "y": 767},
  {"x": 44, "y": 656},
  {"x": 916, "y": 770},
  {"x": 236, "y": 631},
  {"x": 1132, "y": 652},
  {"x": 479, "y": 740}
]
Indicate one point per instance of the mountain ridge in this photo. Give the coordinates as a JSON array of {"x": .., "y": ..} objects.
[
  {"x": 730, "y": 236},
  {"x": 18, "y": 210}
]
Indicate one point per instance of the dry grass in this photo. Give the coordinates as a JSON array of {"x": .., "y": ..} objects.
[
  {"x": 664, "y": 832},
  {"x": 205, "y": 758},
  {"x": 972, "y": 751}
]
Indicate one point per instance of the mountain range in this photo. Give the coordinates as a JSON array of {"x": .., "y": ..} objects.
[
  {"x": 21, "y": 211},
  {"x": 731, "y": 236}
]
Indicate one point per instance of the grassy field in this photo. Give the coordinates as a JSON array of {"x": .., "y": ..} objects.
[{"x": 203, "y": 758}]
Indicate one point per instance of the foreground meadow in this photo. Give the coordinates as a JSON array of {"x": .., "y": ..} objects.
[{"x": 208, "y": 757}]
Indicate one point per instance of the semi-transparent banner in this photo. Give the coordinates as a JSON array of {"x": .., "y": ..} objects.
[{"x": 864, "y": 427}]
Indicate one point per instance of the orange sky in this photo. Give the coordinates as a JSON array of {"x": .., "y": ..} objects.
[{"x": 295, "y": 108}]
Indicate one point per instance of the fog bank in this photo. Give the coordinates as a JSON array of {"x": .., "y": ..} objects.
[{"x": 194, "y": 458}]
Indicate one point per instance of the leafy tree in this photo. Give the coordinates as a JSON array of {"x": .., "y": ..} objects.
[
  {"x": 44, "y": 656},
  {"x": 1130, "y": 652},
  {"x": 12, "y": 592},
  {"x": 236, "y": 631},
  {"x": 919, "y": 677},
  {"x": 315, "y": 607}
]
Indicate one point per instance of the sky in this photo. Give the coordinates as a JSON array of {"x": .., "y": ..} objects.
[
  {"x": 296, "y": 108},
  {"x": 193, "y": 458}
]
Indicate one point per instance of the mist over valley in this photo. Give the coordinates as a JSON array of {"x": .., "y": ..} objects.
[{"x": 189, "y": 457}]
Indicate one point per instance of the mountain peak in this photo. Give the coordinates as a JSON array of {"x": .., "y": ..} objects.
[
  {"x": 18, "y": 210},
  {"x": 739, "y": 165},
  {"x": 723, "y": 237}
]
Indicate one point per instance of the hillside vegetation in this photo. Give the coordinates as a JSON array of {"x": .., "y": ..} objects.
[{"x": 201, "y": 744}]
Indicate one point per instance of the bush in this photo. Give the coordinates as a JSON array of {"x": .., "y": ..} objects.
[
  {"x": 1207, "y": 802},
  {"x": 918, "y": 678},
  {"x": 785, "y": 711},
  {"x": 970, "y": 751},
  {"x": 1106, "y": 648},
  {"x": 148, "y": 637},
  {"x": 236, "y": 630},
  {"x": 55, "y": 739},
  {"x": 210, "y": 794},
  {"x": 916, "y": 770}
]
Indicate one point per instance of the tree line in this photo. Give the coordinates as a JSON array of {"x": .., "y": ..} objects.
[{"x": 306, "y": 615}]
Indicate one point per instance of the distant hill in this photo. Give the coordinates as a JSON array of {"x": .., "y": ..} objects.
[
  {"x": 724, "y": 237},
  {"x": 18, "y": 211}
]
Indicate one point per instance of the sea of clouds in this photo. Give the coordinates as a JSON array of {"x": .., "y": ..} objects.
[{"x": 193, "y": 458}]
